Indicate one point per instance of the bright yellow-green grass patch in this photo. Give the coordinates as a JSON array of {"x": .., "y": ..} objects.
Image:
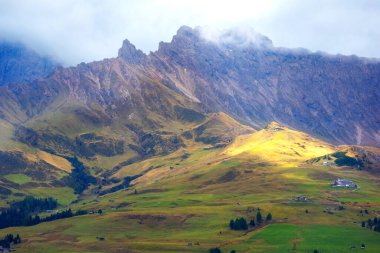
[
  {"x": 18, "y": 178},
  {"x": 281, "y": 145},
  {"x": 64, "y": 195}
]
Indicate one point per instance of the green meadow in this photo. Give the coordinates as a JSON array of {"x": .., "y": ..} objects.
[{"x": 185, "y": 203}]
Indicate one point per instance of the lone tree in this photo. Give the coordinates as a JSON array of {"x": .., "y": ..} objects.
[
  {"x": 363, "y": 224},
  {"x": 252, "y": 223},
  {"x": 259, "y": 218},
  {"x": 269, "y": 217},
  {"x": 369, "y": 223},
  {"x": 17, "y": 239}
]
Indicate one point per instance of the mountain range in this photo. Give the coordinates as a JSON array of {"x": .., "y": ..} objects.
[
  {"x": 200, "y": 122},
  {"x": 254, "y": 83}
]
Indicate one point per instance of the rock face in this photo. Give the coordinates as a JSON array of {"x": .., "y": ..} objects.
[
  {"x": 129, "y": 53},
  {"x": 336, "y": 98},
  {"x": 19, "y": 64},
  {"x": 333, "y": 97}
]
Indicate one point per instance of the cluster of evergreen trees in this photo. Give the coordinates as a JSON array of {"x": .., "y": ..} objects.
[
  {"x": 241, "y": 223},
  {"x": 80, "y": 177},
  {"x": 31, "y": 204},
  {"x": 10, "y": 239},
  {"x": 25, "y": 212},
  {"x": 20, "y": 213},
  {"x": 59, "y": 215},
  {"x": 343, "y": 160},
  {"x": 372, "y": 224}
]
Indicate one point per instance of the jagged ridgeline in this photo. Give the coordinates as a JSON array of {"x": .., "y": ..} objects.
[{"x": 255, "y": 83}]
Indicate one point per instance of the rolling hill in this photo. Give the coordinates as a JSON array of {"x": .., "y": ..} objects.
[{"x": 184, "y": 201}]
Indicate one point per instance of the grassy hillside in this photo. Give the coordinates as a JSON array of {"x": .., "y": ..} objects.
[
  {"x": 279, "y": 144},
  {"x": 104, "y": 145},
  {"x": 183, "y": 202}
]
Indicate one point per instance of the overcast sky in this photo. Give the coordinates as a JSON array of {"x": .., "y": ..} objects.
[{"x": 77, "y": 31}]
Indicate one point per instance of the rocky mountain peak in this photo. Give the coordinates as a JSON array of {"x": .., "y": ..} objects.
[
  {"x": 129, "y": 53},
  {"x": 186, "y": 37},
  {"x": 187, "y": 32}
]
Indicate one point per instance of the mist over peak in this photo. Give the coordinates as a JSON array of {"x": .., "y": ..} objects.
[
  {"x": 240, "y": 36},
  {"x": 18, "y": 63},
  {"x": 83, "y": 31}
]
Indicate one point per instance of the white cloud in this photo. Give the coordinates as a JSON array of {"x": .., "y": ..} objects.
[
  {"x": 86, "y": 30},
  {"x": 240, "y": 36}
]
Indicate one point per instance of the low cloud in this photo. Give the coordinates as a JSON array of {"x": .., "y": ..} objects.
[
  {"x": 74, "y": 31},
  {"x": 241, "y": 36}
]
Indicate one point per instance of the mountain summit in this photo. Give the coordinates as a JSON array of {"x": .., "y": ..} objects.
[{"x": 129, "y": 53}]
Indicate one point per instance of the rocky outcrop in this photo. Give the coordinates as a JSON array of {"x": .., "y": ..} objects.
[
  {"x": 154, "y": 143},
  {"x": 129, "y": 53},
  {"x": 91, "y": 144}
]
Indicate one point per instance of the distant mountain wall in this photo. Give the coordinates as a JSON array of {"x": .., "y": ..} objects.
[
  {"x": 336, "y": 98},
  {"x": 19, "y": 64},
  {"x": 332, "y": 97}
]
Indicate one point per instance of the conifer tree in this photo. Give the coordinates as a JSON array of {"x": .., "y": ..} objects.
[
  {"x": 259, "y": 218},
  {"x": 269, "y": 217},
  {"x": 232, "y": 224}
]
